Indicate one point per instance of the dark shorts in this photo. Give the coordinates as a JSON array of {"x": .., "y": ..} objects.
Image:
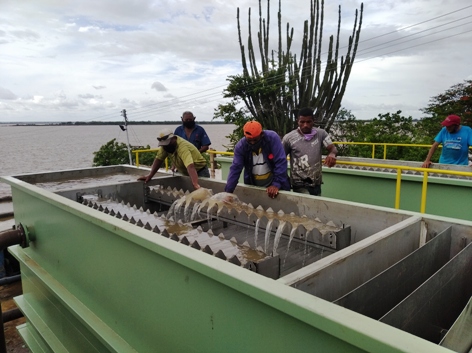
[
  {"x": 204, "y": 172},
  {"x": 314, "y": 190}
]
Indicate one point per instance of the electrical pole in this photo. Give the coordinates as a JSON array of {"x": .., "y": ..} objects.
[{"x": 125, "y": 128}]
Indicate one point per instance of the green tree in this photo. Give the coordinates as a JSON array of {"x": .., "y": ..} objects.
[
  {"x": 274, "y": 93},
  {"x": 455, "y": 100},
  {"x": 386, "y": 128},
  {"x": 114, "y": 153},
  {"x": 233, "y": 113}
]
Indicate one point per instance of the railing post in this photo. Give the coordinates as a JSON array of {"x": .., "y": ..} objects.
[
  {"x": 137, "y": 159},
  {"x": 385, "y": 151},
  {"x": 373, "y": 151},
  {"x": 398, "y": 188},
  {"x": 212, "y": 163},
  {"x": 423, "y": 193}
]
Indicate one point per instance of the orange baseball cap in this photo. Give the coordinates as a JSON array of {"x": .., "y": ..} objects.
[{"x": 252, "y": 129}]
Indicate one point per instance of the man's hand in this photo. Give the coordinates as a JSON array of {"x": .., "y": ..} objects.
[
  {"x": 228, "y": 199},
  {"x": 330, "y": 161},
  {"x": 144, "y": 178},
  {"x": 427, "y": 164},
  {"x": 272, "y": 191}
]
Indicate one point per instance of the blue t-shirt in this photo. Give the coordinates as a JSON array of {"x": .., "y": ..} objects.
[
  {"x": 455, "y": 146},
  {"x": 198, "y": 136}
]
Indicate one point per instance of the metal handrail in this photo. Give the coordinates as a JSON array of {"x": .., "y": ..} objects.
[
  {"x": 385, "y": 145},
  {"x": 398, "y": 168},
  {"x": 137, "y": 152},
  {"x": 374, "y": 144}
]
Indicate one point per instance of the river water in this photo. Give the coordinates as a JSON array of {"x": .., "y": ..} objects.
[{"x": 32, "y": 149}]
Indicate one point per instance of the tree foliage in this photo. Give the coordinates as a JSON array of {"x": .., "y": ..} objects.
[
  {"x": 233, "y": 113},
  {"x": 385, "y": 128},
  {"x": 456, "y": 100},
  {"x": 274, "y": 92},
  {"x": 115, "y": 153}
]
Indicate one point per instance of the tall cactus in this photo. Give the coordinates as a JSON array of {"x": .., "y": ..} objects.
[{"x": 284, "y": 84}]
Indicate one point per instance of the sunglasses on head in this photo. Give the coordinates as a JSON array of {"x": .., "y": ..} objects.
[{"x": 163, "y": 138}]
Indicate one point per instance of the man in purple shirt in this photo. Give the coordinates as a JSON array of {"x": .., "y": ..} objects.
[{"x": 261, "y": 154}]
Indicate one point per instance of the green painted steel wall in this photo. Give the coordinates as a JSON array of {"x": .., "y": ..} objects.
[
  {"x": 445, "y": 196},
  {"x": 94, "y": 283}
]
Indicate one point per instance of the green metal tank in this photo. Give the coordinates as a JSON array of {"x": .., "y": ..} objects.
[{"x": 109, "y": 267}]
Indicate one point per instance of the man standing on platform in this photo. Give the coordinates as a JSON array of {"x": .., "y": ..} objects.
[
  {"x": 304, "y": 146},
  {"x": 193, "y": 132},
  {"x": 455, "y": 139}
]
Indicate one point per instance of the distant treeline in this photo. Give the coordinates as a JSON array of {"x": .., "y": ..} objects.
[{"x": 175, "y": 122}]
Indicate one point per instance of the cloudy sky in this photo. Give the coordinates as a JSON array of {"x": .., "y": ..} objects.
[{"x": 63, "y": 60}]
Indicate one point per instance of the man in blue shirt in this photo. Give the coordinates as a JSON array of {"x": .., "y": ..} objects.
[
  {"x": 192, "y": 132},
  {"x": 261, "y": 154},
  {"x": 455, "y": 139}
]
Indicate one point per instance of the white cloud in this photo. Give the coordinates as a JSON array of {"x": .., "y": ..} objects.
[
  {"x": 158, "y": 87},
  {"x": 62, "y": 50},
  {"x": 6, "y": 94}
]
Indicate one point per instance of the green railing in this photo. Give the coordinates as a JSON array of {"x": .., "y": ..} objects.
[{"x": 399, "y": 169}]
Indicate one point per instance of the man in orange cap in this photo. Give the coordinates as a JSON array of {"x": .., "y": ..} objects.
[
  {"x": 455, "y": 140},
  {"x": 261, "y": 154}
]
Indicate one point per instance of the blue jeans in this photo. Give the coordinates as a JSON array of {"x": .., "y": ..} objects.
[{"x": 311, "y": 190}]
